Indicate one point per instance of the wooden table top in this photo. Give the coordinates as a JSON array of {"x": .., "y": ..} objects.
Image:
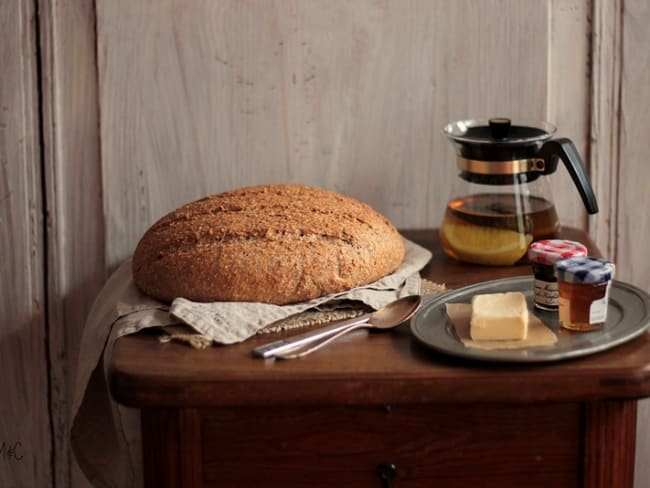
[{"x": 371, "y": 368}]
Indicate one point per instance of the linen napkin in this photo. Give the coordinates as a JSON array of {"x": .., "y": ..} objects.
[{"x": 121, "y": 309}]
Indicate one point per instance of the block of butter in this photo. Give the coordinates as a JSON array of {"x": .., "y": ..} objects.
[{"x": 499, "y": 316}]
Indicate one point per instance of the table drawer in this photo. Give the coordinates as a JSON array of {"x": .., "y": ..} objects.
[{"x": 442, "y": 446}]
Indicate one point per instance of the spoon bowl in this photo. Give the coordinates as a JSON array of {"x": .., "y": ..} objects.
[{"x": 395, "y": 312}]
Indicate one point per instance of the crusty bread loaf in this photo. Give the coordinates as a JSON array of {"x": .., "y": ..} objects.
[{"x": 274, "y": 244}]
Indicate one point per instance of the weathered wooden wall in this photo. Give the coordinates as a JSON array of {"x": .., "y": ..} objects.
[
  {"x": 74, "y": 199},
  {"x": 25, "y": 431},
  {"x": 147, "y": 105},
  {"x": 199, "y": 97},
  {"x": 633, "y": 180},
  {"x": 620, "y": 121}
]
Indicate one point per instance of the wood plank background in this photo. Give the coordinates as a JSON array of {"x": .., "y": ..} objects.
[
  {"x": 75, "y": 250},
  {"x": 351, "y": 96},
  {"x": 25, "y": 430},
  {"x": 632, "y": 220},
  {"x": 147, "y": 105}
]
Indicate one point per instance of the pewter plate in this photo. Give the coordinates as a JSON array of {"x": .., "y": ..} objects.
[{"x": 628, "y": 316}]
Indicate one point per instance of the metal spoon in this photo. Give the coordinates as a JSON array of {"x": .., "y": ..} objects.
[
  {"x": 386, "y": 317},
  {"x": 390, "y": 316}
]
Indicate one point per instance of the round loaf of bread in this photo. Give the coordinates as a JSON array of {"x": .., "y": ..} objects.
[{"x": 275, "y": 244}]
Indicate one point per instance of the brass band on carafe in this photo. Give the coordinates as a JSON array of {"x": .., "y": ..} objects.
[{"x": 501, "y": 167}]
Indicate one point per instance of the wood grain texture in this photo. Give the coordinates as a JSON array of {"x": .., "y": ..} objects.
[
  {"x": 634, "y": 151},
  {"x": 609, "y": 444},
  {"x": 568, "y": 98},
  {"x": 191, "y": 444},
  {"x": 641, "y": 466},
  {"x": 633, "y": 225},
  {"x": 200, "y": 97},
  {"x": 75, "y": 253},
  {"x": 25, "y": 443},
  {"x": 442, "y": 446},
  {"x": 605, "y": 94},
  {"x": 161, "y": 443}
]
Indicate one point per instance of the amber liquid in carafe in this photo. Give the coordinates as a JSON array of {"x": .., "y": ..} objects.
[{"x": 525, "y": 217}]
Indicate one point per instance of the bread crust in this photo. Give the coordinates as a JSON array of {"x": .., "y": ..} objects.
[{"x": 275, "y": 244}]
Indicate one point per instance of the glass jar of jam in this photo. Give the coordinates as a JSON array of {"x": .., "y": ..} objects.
[
  {"x": 583, "y": 285},
  {"x": 543, "y": 255}
]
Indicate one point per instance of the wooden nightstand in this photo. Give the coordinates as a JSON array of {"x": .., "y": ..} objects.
[{"x": 219, "y": 417}]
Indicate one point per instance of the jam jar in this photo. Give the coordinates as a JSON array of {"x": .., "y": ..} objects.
[
  {"x": 583, "y": 285},
  {"x": 543, "y": 255}
]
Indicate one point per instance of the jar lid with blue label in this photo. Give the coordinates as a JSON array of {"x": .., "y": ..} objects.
[{"x": 584, "y": 269}]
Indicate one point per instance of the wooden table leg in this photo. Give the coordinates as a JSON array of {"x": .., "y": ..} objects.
[
  {"x": 161, "y": 448},
  {"x": 610, "y": 437},
  {"x": 171, "y": 443}
]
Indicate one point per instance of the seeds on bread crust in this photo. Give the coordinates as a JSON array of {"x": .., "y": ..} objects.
[{"x": 272, "y": 243}]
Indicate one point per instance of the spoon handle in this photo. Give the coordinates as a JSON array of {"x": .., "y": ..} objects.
[
  {"x": 272, "y": 348},
  {"x": 292, "y": 354}
]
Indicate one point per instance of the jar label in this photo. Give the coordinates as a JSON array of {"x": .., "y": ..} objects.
[
  {"x": 546, "y": 293},
  {"x": 598, "y": 309}
]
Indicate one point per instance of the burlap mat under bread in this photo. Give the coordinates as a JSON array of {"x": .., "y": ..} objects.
[{"x": 308, "y": 318}]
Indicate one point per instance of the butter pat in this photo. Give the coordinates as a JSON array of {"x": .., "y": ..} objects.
[{"x": 499, "y": 317}]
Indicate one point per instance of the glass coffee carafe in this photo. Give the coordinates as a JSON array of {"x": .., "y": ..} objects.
[{"x": 501, "y": 201}]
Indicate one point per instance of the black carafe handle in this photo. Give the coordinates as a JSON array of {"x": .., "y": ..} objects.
[{"x": 565, "y": 150}]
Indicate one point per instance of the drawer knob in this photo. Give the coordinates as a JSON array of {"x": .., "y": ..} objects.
[{"x": 387, "y": 473}]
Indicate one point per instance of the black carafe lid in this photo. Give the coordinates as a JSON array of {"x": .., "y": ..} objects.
[{"x": 498, "y": 139}]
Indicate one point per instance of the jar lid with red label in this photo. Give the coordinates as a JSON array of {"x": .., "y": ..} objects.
[{"x": 548, "y": 251}]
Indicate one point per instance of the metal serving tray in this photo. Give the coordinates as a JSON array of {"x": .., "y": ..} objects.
[{"x": 628, "y": 316}]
